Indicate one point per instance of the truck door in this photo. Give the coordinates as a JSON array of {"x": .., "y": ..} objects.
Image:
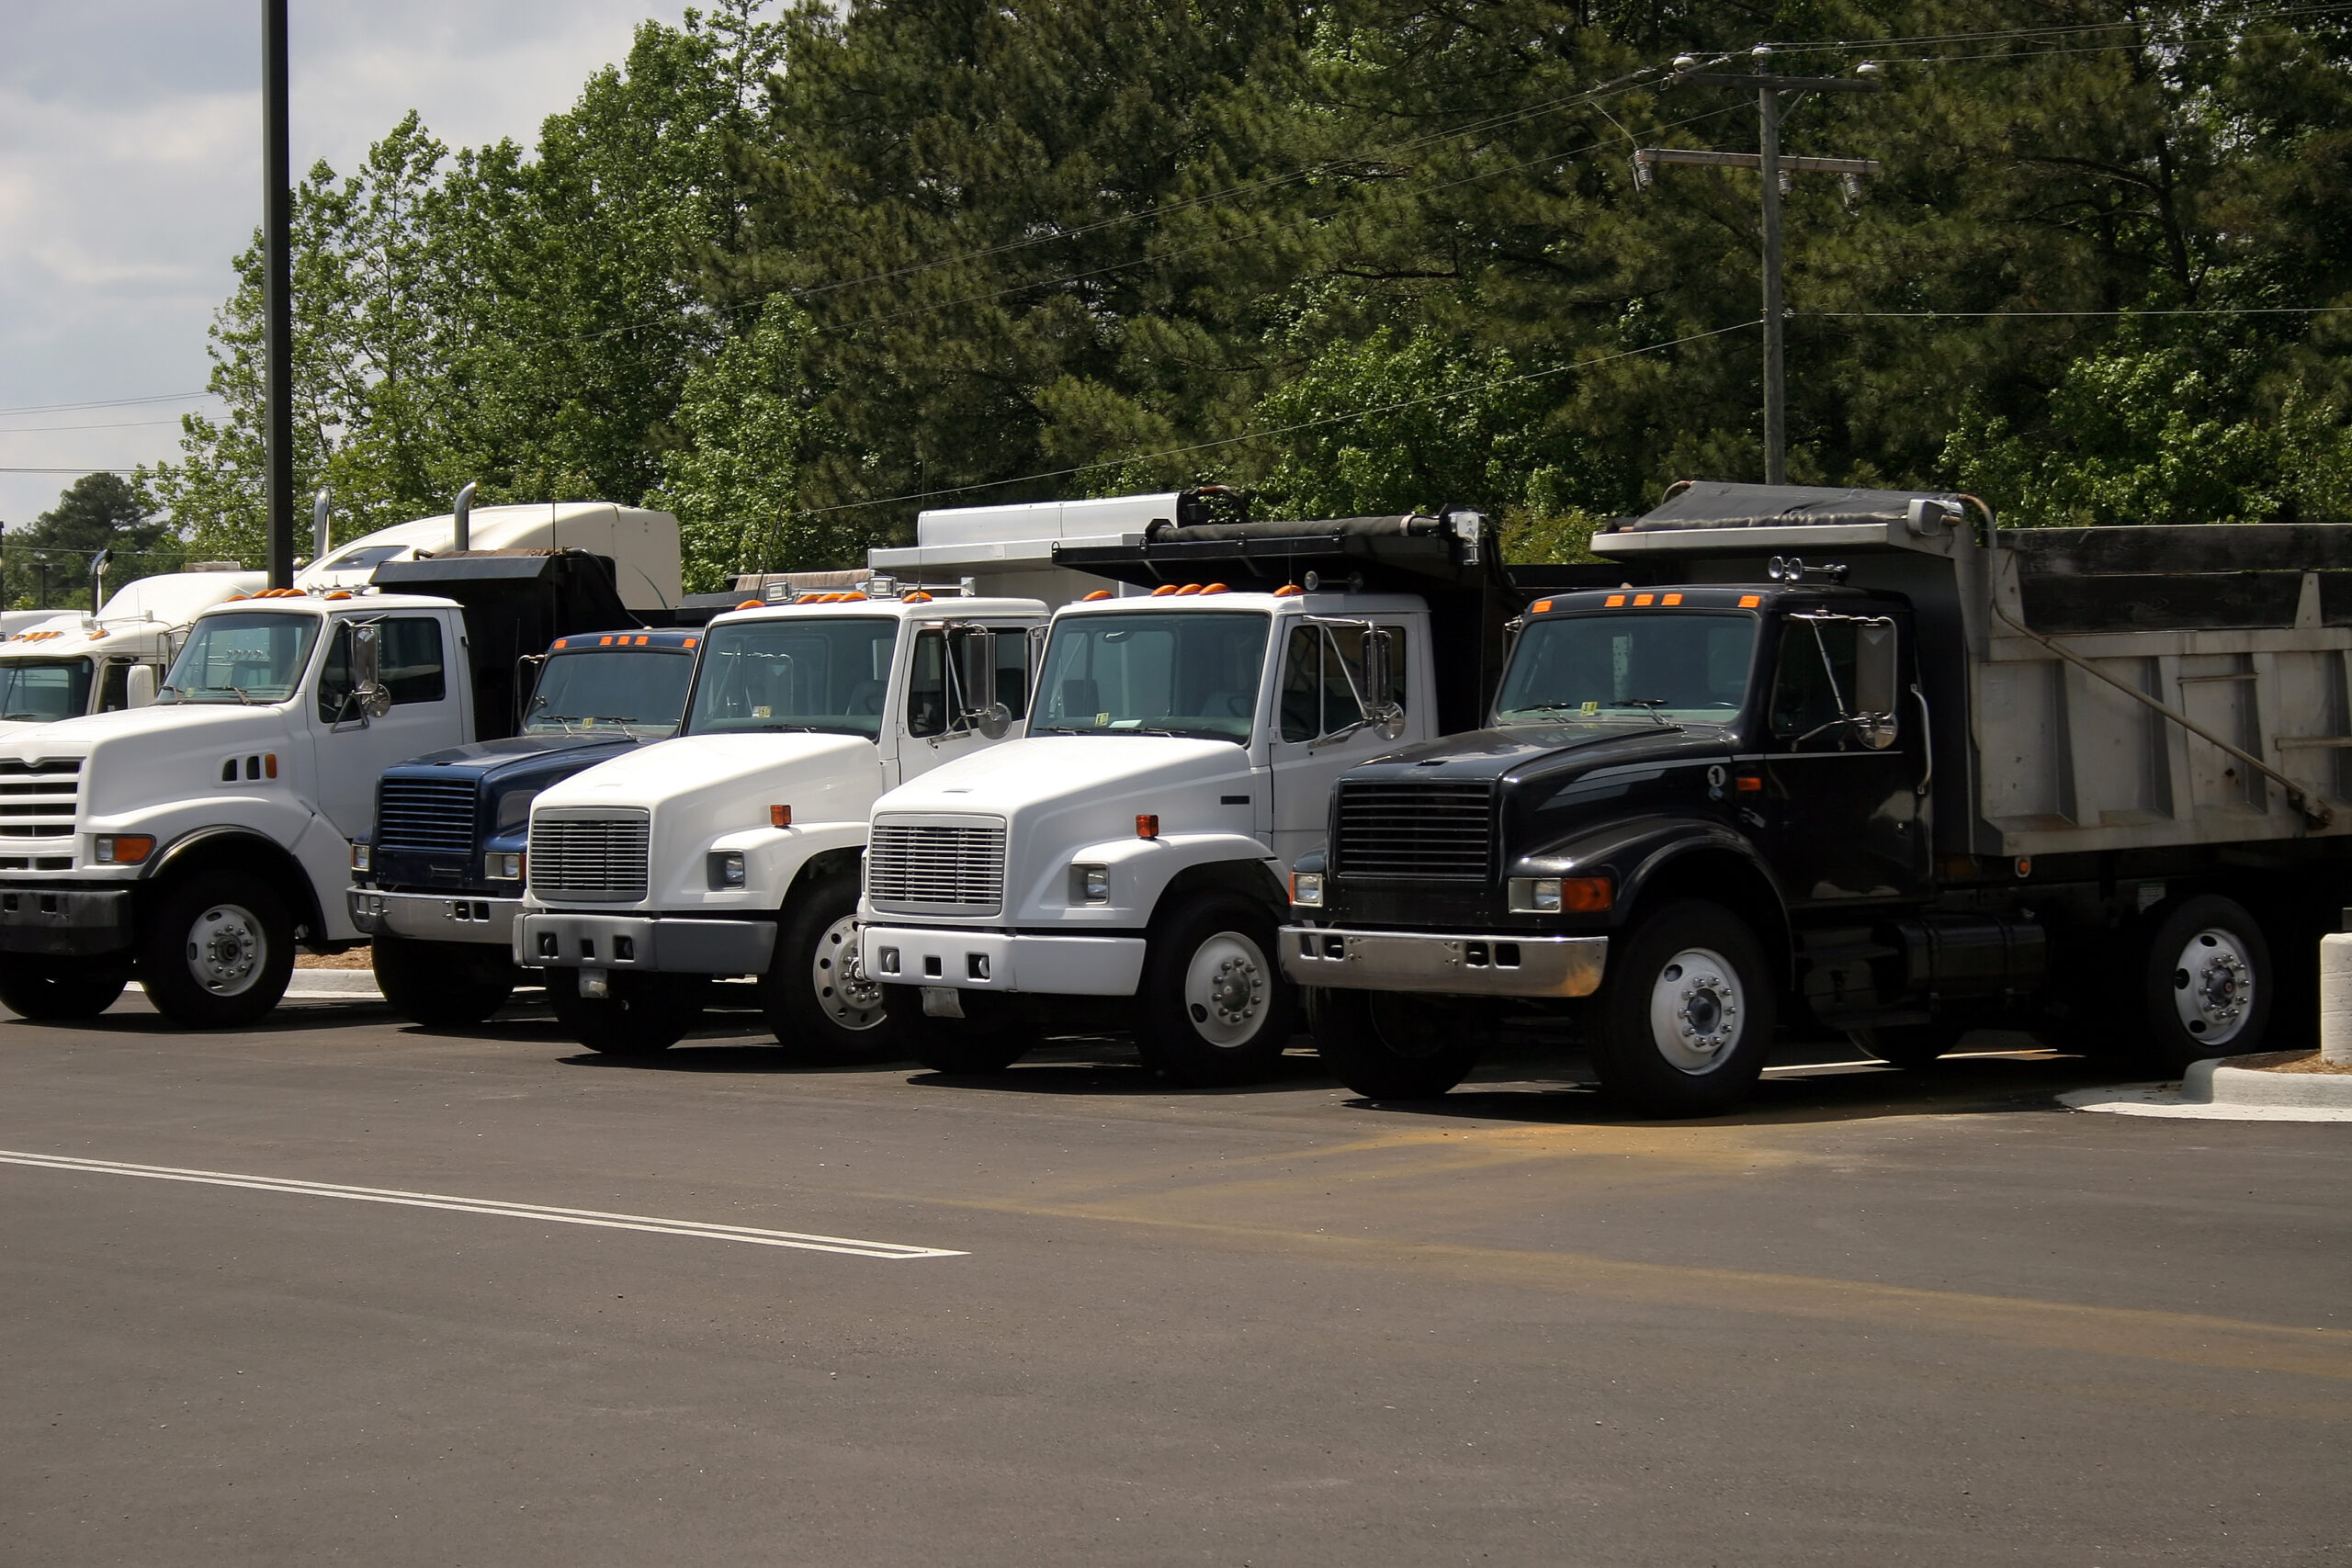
[
  {"x": 351, "y": 748},
  {"x": 1320, "y": 728},
  {"x": 1842, "y": 758}
]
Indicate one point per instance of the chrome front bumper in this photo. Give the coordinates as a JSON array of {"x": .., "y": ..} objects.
[
  {"x": 1450, "y": 965},
  {"x": 558, "y": 939},
  {"x": 943, "y": 956},
  {"x": 433, "y": 916}
]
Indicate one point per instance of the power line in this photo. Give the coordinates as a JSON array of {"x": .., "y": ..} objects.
[
  {"x": 86, "y": 468},
  {"x": 111, "y": 403},
  {"x": 54, "y": 429},
  {"x": 1580, "y": 365},
  {"x": 1984, "y": 315}
]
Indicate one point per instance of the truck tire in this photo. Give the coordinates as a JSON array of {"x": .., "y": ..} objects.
[
  {"x": 51, "y": 990},
  {"x": 638, "y": 1015},
  {"x": 991, "y": 1036},
  {"x": 216, "y": 950},
  {"x": 2208, "y": 983},
  {"x": 817, "y": 1001},
  {"x": 1908, "y": 1046},
  {"x": 1214, "y": 1006},
  {"x": 1387, "y": 1047},
  {"x": 1686, "y": 1016},
  {"x": 442, "y": 985}
]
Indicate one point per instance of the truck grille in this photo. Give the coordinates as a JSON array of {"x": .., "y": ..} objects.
[
  {"x": 432, "y": 814},
  {"x": 38, "y": 798},
  {"x": 601, "y": 859},
  {"x": 1415, "y": 833},
  {"x": 944, "y": 867}
]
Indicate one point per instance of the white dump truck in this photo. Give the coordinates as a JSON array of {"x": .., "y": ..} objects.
[
  {"x": 1123, "y": 862},
  {"x": 733, "y": 849},
  {"x": 67, "y": 664},
  {"x": 194, "y": 842}
]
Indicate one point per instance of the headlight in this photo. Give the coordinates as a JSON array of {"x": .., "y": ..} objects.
[
  {"x": 1552, "y": 895},
  {"x": 363, "y": 857},
  {"x": 1307, "y": 889},
  {"x": 1090, "y": 885},
  {"x": 726, "y": 870},
  {"x": 503, "y": 867}
]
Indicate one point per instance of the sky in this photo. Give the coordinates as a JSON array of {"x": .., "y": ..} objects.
[{"x": 131, "y": 174}]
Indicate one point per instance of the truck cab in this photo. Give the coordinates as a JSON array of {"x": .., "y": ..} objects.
[
  {"x": 734, "y": 849},
  {"x": 1122, "y": 862},
  {"x": 70, "y": 664},
  {"x": 436, "y": 882}
]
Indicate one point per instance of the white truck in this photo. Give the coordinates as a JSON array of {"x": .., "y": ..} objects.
[
  {"x": 193, "y": 843},
  {"x": 733, "y": 849},
  {"x": 1123, "y": 861},
  {"x": 68, "y": 664}
]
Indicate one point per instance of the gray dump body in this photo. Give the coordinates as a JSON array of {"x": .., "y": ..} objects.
[{"x": 2242, "y": 631}]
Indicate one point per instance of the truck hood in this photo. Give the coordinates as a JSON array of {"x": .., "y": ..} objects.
[
  {"x": 487, "y": 759},
  {"x": 695, "y": 771},
  {"x": 1526, "y": 751},
  {"x": 139, "y": 755},
  {"x": 1023, "y": 776}
]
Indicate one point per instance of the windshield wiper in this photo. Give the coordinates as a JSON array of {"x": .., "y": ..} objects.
[{"x": 1649, "y": 705}]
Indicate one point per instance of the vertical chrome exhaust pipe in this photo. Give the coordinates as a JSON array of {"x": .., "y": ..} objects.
[{"x": 465, "y": 517}]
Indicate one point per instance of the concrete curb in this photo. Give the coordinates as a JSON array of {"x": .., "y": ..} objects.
[
  {"x": 334, "y": 985},
  {"x": 2215, "y": 1082}
]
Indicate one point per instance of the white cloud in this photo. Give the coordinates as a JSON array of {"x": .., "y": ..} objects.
[{"x": 130, "y": 174}]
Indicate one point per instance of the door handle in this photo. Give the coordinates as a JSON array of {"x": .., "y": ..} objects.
[{"x": 1926, "y": 742}]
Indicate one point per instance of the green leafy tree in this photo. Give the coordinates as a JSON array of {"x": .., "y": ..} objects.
[{"x": 97, "y": 512}]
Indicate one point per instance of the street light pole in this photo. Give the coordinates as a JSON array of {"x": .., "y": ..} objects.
[
  {"x": 277, "y": 295},
  {"x": 1774, "y": 168}
]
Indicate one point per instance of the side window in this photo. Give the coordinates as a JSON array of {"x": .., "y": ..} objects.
[
  {"x": 411, "y": 659},
  {"x": 1013, "y": 671},
  {"x": 927, "y": 685},
  {"x": 1323, "y": 671},
  {"x": 1813, "y": 685},
  {"x": 334, "y": 678},
  {"x": 114, "y": 686}
]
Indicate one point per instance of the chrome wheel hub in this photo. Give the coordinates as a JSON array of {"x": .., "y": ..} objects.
[
  {"x": 2212, "y": 987},
  {"x": 1225, "y": 989},
  {"x": 843, "y": 992},
  {"x": 1695, "y": 1011},
  {"x": 226, "y": 950}
]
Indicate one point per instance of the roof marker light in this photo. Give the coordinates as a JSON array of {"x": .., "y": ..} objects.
[
  {"x": 1641, "y": 599},
  {"x": 1541, "y": 606},
  {"x": 914, "y": 597},
  {"x": 1188, "y": 591},
  {"x": 1289, "y": 591},
  {"x": 749, "y": 605},
  {"x": 1671, "y": 599},
  {"x": 1749, "y": 601},
  {"x": 1164, "y": 589},
  {"x": 1098, "y": 593},
  {"x": 1615, "y": 600},
  {"x": 1216, "y": 588}
]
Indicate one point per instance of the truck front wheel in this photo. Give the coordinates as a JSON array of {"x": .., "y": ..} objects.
[
  {"x": 1391, "y": 1048},
  {"x": 636, "y": 1015},
  {"x": 1216, "y": 1007},
  {"x": 816, "y": 999},
  {"x": 216, "y": 951},
  {"x": 442, "y": 985},
  {"x": 49, "y": 990},
  {"x": 2208, "y": 983},
  {"x": 1686, "y": 1016}
]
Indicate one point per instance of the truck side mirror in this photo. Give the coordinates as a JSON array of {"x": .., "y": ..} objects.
[
  {"x": 368, "y": 688},
  {"x": 1381, "y": 681},
  {"x": 138, "y": 685},
  {"x": 1875, "y": 694},
  {"x": 976, "y": 670}
]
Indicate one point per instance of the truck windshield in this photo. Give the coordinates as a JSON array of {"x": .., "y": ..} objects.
[
  {"x": 827, "y": 673},
  {"x": 241, "y": 658},
  {"x": 1690, "y": 666},
  {"x": 641, "y": 692},
  {"x": 1146, "y": 673},
  {"x": 44, "y": 689}
]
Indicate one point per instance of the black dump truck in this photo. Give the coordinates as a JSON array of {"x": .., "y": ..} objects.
[{"x": 1863, "y": 762}]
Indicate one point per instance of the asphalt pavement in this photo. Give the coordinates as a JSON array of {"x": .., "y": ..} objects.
[{"x": 335, "y": 1290}]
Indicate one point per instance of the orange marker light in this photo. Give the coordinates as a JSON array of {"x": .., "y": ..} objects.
[
  {"x": 1098, "y": 593},
  {"x": 1164, "y": 589},
  {"x": 915, "y": 596},
  {"x": 563, "y": 642},
  {"x": 1217, "y": 588},
  {"x": 779, "y": 817},
  {"x": 691, "y": 641},
  {"x": 1749, "y": 601},
  {"x": 1671, "y": 599},
  {"x": 1586, "y": 895},
  {"x": 1147, "y": 825},
  {"x": 1748, "y": 784},
  {"x": 269, "y": 764},
  {"x": 603, "y": 642},
  {"x": 1541, "y": 606},
  {"x": 749, "y": 605},
  {"x": 1641, "y": 599},
  {"x": 1289, "y": 591},
  {"x": 1188, "y": 591},
  {"x": 1615, "y": 601}
]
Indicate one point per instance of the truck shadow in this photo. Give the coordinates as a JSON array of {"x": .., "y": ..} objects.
[{"x": 1107, "y": 1063}]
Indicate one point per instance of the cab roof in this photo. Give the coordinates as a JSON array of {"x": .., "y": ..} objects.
[
  {"x": 914, "y": 606},
  {"x": 1703, "y": 596}
]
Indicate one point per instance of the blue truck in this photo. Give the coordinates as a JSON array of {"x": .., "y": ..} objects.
[{"x": 436, "y": 882}]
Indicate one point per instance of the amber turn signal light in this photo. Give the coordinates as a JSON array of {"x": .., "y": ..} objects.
[
  {"x": 779, "y": 817},
  {"x": 1147, "y": 825}
]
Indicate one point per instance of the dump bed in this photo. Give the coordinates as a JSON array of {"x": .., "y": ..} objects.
[{"x": 2091, "y": 689}]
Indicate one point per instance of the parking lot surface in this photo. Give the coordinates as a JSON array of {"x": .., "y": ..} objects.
[{"x": 338, "y": 1290}]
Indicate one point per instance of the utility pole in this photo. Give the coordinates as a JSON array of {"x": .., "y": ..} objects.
[
  {"x": 277, "y": 294},
  {"x": 1776, "y": 171}
]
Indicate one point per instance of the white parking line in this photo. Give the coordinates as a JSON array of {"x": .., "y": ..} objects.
[{"x": 757, "y": 1237}]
